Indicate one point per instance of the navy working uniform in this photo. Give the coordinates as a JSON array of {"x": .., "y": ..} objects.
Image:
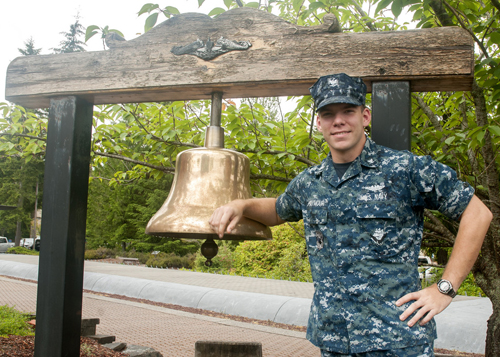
[{"x": 363, "y": 234}]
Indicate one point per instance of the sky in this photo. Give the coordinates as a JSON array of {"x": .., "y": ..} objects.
[{"x": 44, "y": 20}]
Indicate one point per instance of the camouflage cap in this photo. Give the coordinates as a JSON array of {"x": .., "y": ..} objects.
[{"x": 338, "y": 88}]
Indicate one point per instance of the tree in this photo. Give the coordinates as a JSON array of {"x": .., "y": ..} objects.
[
  {"x": 117, "y": 214},
  {"x": 18, "y": 180},
  {"x": 29, "y": 48},
  {"x": 72, "y": 42}
]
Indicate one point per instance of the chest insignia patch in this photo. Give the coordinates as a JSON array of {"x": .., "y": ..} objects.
[
  {"x": 378, "y": 235},
  {"x": 319, "y": 239}
]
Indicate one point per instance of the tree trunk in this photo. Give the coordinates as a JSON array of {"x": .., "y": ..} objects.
[
  {"x": 493, "y": 334},
  {"x": 487, "y": 268}
]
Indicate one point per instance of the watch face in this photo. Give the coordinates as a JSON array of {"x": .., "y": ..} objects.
[{"x": 444, "y": 286}]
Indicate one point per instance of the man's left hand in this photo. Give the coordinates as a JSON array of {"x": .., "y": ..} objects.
[{"x": 430, "y": 302}]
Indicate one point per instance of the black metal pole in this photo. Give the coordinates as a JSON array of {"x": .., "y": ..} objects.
[
  {"x": 60, "y": 274},
  {"x": 391, "y": 122}
]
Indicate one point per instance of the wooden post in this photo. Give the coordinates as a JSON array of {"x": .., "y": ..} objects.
[
  {"x": 60, "y": 275},
  {"x": 391, "y": 122},
  {"x": 227, "y": 348}
]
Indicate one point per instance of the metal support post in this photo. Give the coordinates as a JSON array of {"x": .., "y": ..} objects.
[
  {"x": 391, "y": 122},
  {"x": 60, "y": 275}
]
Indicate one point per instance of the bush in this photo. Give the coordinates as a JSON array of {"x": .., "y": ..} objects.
[
  {"x": 13, "y": 322},
  {"x": 178, "y": 247},
  {"x": 470, "y": 288},
  {"x": 22, "y": 250},
  {"x": 222, "y": 262},
  {"x": 100, "y": 253},
  {"x": 284, "y": 257},
  {"x": 164, "y": 260}
]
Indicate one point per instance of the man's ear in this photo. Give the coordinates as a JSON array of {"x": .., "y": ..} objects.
[
  {"x": 318, "y": 122},
  {"x": 367, "y": 117}
]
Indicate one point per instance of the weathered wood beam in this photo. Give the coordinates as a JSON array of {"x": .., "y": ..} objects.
[{"x": 284, "y": 59}]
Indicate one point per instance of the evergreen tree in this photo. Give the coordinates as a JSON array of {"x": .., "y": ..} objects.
[
  {"x": 72, "y": 42},
  {"x": 29, "y": 48}
]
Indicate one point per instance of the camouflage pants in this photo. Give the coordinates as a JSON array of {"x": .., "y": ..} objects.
[{"x": 413, "y": 351}]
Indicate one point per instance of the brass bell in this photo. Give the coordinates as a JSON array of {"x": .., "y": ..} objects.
[{"x": 207, "y": 178}]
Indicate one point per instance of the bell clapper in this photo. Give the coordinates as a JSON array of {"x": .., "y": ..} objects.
[{"x": 209, "y": 250}]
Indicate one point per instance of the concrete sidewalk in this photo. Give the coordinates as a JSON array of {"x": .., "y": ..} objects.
[{"x": 462, "y": 326}]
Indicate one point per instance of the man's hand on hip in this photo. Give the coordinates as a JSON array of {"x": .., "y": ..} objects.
[{"x": 430, "y": 302}]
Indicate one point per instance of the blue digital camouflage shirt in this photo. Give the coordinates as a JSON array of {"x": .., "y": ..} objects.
[{"x": 363, "y": 235}]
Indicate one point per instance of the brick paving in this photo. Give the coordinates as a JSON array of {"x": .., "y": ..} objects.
[{"x": 171, "y": 332}]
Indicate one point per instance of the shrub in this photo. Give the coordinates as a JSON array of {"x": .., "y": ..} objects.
[
  {"x": 284, "y": 257},
  {"x": 100, "y": 253},
  {"x": 22, "y": 250},
  {"x": 13, "y": 322},
  {"x": 179, "y": 247},
  {"x": 222, "y": 262},
  {"x": 164, "y": 260}
]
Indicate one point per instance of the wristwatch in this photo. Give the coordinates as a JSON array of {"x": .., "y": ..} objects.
[{"x": 445, "y": 287}]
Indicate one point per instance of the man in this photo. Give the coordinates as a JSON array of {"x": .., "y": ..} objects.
[{"x": 363, "y": 216}]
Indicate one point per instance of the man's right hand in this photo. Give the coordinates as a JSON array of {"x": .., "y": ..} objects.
[{"x": 226, "y": 217}]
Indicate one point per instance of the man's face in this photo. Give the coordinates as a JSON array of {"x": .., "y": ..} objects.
[{"x": 343, "y": 126}]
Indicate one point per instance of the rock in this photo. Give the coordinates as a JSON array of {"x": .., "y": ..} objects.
[
  {"x": 116, "y": 346},
  {"x": 141, "y": 351},
  {"x": 102, "y": 339}
]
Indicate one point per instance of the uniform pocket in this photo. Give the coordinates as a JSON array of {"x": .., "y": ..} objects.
[
  {"x": 378, "y": 220},
  {"x": 315, "y": 221}
]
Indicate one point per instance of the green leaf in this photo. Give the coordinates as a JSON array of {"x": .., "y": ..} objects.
[
  {"x": 147, "y": 8},
  {"x": 494, "y": 129},
  {"x": 382, "y": 5},
  {"x": 490, "y": 82},
  {"x": 495, "y": 37},
  {"x": 216, "y": 11},
  {"x": 397, "y": 7},
  {"x": 297, "y": 4},
  {"x": 200, "y": 2},
  {"x": 316, "y": 5},
  {"x": 496, "y": 95},
  {"x": 150, "y": 22},
  {"x": 228, "y": 3},
  {"x": 91, "y": 31},
  {"x": 117, "y": 31},
  {"x": 480, "y": 135},
  {"x": 254, "y": 5},
  {"x": 172, "y": 10},
  {"x": 449, "y": 140}
]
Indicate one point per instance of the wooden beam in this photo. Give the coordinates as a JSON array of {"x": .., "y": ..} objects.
[{"x": 284, "y": 59}]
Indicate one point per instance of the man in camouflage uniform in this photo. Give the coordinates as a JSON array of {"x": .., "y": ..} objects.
[{"x": 363, "y": 216}]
